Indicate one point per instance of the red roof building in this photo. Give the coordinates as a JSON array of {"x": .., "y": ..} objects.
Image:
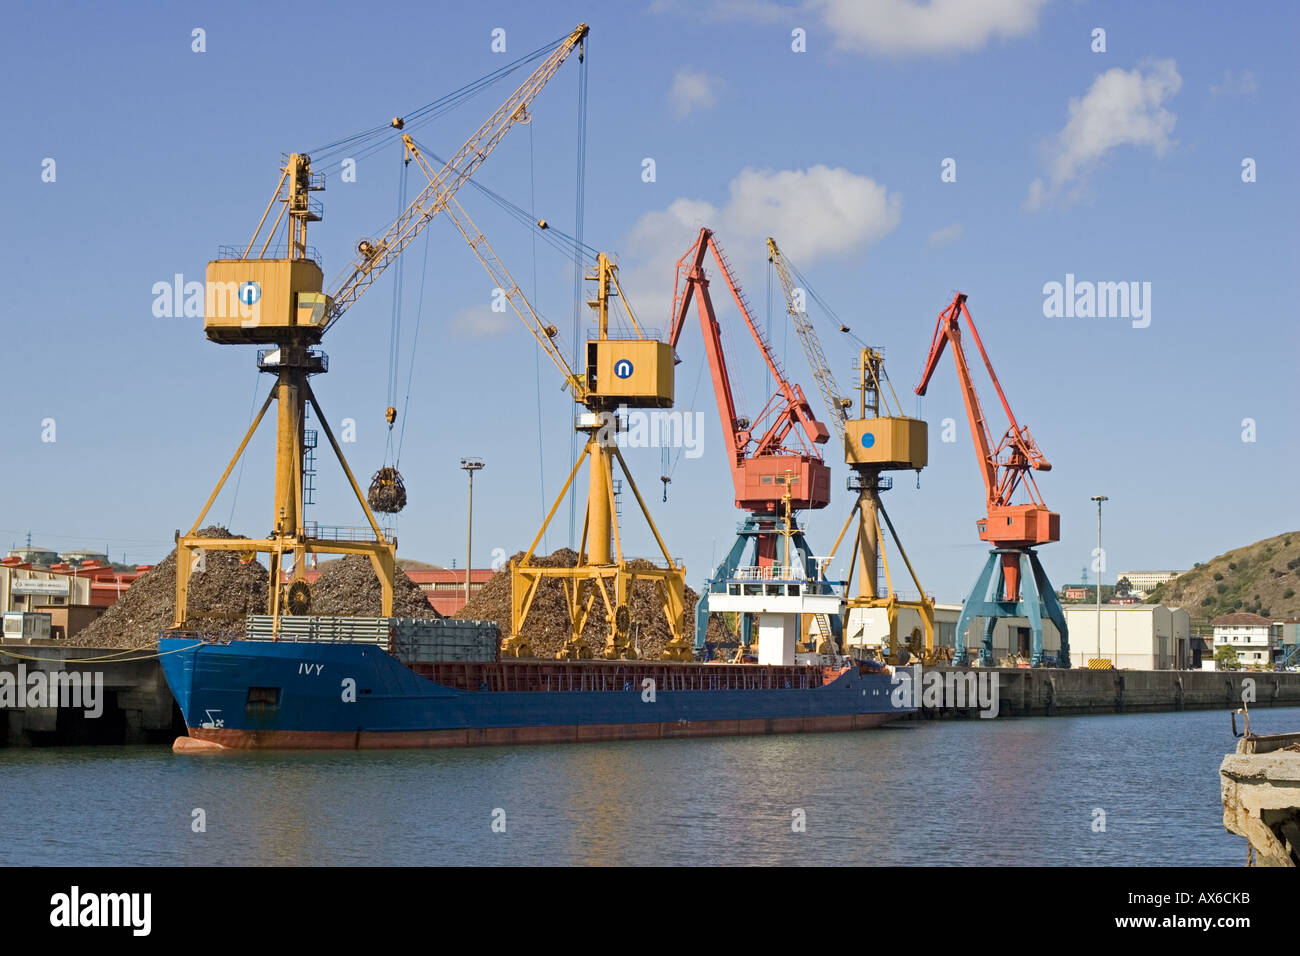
[{"x": 444, "y": 587}]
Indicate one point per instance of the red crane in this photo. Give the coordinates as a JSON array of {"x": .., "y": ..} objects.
[
  {"x": 788, "y": 443},
  {"x": 1012, "y": 529},
  {"x": 776, "y": 464}
]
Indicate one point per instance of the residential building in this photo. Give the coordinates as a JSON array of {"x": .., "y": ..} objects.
[
  {"x": 444, "y": 587},
  {"x": 1248, "y": 633}
]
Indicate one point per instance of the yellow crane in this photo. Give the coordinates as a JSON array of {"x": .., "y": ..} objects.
[
  {"x": 278, "y": 302},
  {"x": 620, "y": 373},
  {"x": 877, "y": 440}
]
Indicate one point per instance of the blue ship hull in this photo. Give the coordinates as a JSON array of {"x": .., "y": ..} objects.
[{"x": 291, "y": 694}]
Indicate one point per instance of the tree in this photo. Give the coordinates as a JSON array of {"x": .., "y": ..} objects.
[
  {"x": 1226, "y": 658},
  {"x": 1123, "y": 587}
]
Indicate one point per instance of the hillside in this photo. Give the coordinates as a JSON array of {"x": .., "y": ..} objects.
[{"x": 1263, "y": 578}]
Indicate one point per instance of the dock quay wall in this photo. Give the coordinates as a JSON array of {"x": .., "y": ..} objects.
[
  {"x": 1050, "y": 692},
  {"x": 136, "y": 706}
]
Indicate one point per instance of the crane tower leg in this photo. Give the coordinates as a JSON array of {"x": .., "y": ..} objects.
[{"x": 1035, "y": 602}]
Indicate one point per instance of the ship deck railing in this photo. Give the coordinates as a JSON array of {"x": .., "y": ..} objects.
[{"x": 623, "y": 677}]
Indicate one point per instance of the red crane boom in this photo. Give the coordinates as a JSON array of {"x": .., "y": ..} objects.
[{"x": 762, "y": 465}]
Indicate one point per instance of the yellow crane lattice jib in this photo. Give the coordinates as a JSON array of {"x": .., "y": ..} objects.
[
  {"x": 370, "y": 263},
  {"x": 812, "y": 347},
  {"x": 546, "y": 335}
]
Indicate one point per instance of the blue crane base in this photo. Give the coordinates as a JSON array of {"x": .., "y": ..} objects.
[
  {"x": 1037, "y": 600},
  {"x": 744, "y": 553}
]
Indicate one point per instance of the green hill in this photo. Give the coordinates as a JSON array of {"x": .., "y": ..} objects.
[{"x": 1263, "y": 578}]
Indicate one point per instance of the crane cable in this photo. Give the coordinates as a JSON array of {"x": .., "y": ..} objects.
[
  {"x": 556, "y": 238},
  {"x": 415, "y": 338},
  {"x": 537, "y": 355},
  {"x": 579, "y": 298},
  {"x": 395, "y": 327},
  {"x": 699, "y": 378},
  {"x": 369, "y": 141}
]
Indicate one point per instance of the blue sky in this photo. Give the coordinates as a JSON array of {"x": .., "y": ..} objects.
[{"x": 161, "y": 154}]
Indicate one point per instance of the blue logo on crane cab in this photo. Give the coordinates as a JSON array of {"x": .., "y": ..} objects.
[
  {"x": 249, "y": 293},
  {"x": 868, "y": 439},
  {"x": 623, "y": 368}
]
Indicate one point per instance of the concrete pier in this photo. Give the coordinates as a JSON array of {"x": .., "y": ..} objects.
[
  {"x": 122, "y": 698},
  {"x": 1048, "y": 692},
  {"x": 1261, "y": 796}
]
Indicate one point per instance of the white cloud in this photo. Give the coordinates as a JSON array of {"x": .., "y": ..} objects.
[
  {"x": 1235, "y": 84},
  {"x": 941, "y": 237},
  {"x": 765, "y": 11},
  {"x": 890, "y": 27},
  {"x": 691, "y": 91},
  {"x": 1121, "y": 108},
  {"x": 479, "y": 322},
  {"x": 903, "y": 27},
  {"x": 813, "y": 213}
]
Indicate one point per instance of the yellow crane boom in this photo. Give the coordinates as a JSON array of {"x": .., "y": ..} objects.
[
  {"x": 602, "y": 579},
  {"x": 374, "y": 257},
  {"x": 836, "y": 404},
  {"x": 279, "y": 302},
  {"x": 545, "y": 333}
]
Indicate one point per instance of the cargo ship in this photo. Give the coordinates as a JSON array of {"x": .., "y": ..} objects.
[{"x": 371, "y": 694}]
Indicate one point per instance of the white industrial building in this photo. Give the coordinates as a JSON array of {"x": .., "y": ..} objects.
[
  {"x": 869, "y": 627},
  {"x": 1248, "y": 633},
  {"x": 1146, "y": 581},
  {"x": 1132, "y": 637}
]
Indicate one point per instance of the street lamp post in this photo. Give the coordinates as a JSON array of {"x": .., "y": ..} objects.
[
  {"x": 1100, "y": 561},
  {"x": 470, "y": 465}
]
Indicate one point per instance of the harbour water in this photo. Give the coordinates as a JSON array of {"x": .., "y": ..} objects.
[{"x": 1131, "y": 790}]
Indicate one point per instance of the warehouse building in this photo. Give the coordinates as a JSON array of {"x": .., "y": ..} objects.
[
  {"x": 867, "y": 628},
  {"x": 1132, "y": 637}
]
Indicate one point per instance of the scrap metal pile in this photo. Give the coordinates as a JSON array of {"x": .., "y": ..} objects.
[
  {"x": 548, "y": 621},
  {"x": 349, "y": 587},
  {"x": 224, "y": 589}
]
